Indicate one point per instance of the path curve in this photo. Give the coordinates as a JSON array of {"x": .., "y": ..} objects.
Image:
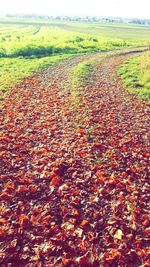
[{"x": 74, "y": 177}]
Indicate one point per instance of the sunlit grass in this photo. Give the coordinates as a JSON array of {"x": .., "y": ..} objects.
[
  {"x": 35, "y": 40},
  {"x": 13, "y": 70},
  {"x": 27, "y": 48},
  {"x": 136, "y": 75}
]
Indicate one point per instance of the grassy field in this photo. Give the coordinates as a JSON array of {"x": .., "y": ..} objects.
[
  {"x": 133, "y": 34},
  {"x": 29, "y": 45},
  {"x": 34, "y": 40},
  {"x": 128, "y": 32},
  {"x": 136, "y": 75}
]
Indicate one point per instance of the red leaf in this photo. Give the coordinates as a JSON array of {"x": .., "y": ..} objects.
[
  {"x": 55, "y": 180},
  {"x": 101, "y": 178},
  {"x": 2, "y": 233},
  {"x": 5, "y": 196},
  {"x": 22, "y": 188}
]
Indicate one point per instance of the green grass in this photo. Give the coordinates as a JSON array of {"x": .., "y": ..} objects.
[
  {"x": 134, "y": 34},
  {"x": 79, "y": 75},
  {"x": 27, "y": 45},
  {"x": 123, "y": 31},
  {"x": 13, "y": 70},
  {"x": 43, "y": 38},
  {"x": 136, "y": 75},
  {"x": 36, "y": 40}
]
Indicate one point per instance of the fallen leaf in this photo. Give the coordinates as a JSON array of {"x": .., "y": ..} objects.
[
  {"x": 23, "y": 220},
  {"x": 118, "y": 234}
]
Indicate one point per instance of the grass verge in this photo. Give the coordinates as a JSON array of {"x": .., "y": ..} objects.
[
  {"x": 136, "y": 75},
  {"x": 13, "y": 70},
  {"x": 80, "y": 74}
]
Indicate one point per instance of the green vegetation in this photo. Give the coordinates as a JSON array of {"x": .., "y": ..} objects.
[
  {"x": 81, "y": 72},
  {"x": 136, "y": 75},
  {"x": 27, "y": 45},
  {"x": 134, "y": 35},
  {"x": 80, "y": 75},
  {"x": 30, "y": 40},
  {"x": 14, "y": 69}
]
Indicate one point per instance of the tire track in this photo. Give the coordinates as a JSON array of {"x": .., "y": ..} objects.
[{"x": 74, "y": 180}]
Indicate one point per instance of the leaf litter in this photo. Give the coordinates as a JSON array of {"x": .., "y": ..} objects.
[{"x": 74, "y": 185}]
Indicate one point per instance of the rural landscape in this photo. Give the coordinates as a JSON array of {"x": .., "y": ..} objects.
[{"x": 74, "y": 143}]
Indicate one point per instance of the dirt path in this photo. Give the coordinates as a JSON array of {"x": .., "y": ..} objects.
[{"x": 74, "y": 176}]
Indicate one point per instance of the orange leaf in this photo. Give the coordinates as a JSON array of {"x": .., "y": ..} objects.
[
  {"x": 75, "y": 212},
  {"x": 84, "y": 222},
  {"x": 100, "y": 175},
  {"x": 9, "y": 186},
  {"x": 21, "y": 189},
  {"x": 80, "y": 131},
  {"x": 3, "y": 220},
  {"x": 23, "y": 220},
  {"x": 66, "y": 261}
]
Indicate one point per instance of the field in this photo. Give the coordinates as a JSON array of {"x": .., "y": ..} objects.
[
  {"x": 42, "y": 45},
  {"x": 74, "y": 145},
  {"x": 26, "y": 40},
  {"x": 42, "y": 42}
]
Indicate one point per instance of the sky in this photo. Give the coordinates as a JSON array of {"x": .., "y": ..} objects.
[{"x": 117, "y": 8}]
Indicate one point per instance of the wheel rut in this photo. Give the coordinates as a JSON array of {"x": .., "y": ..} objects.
[{"x": 74, "y": 178}]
